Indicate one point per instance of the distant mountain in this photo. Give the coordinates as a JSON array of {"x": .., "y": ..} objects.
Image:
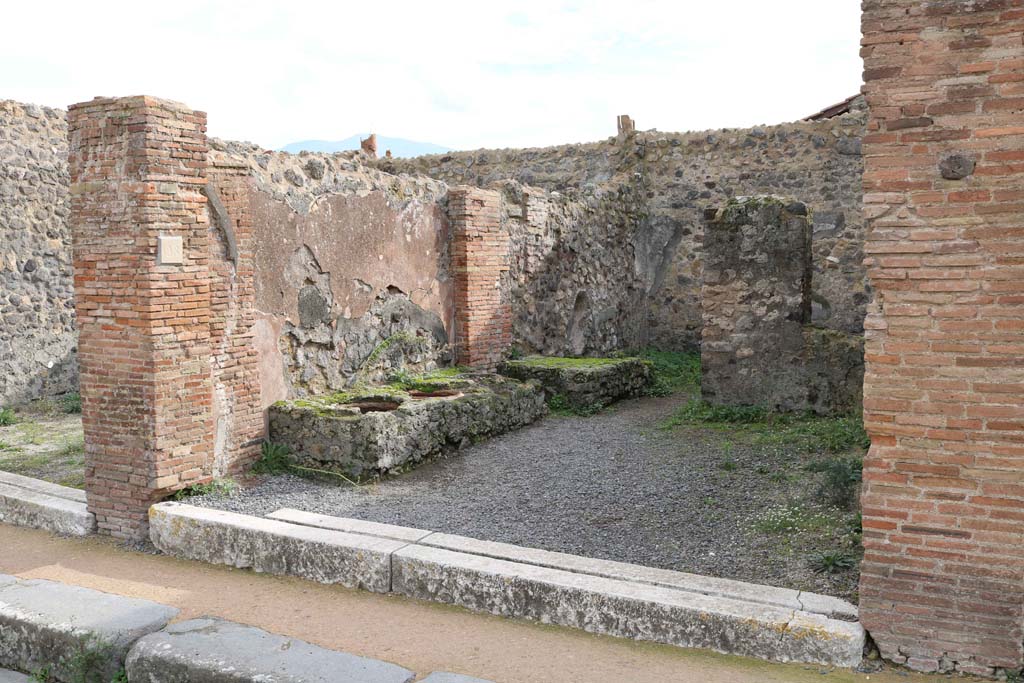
[{"x": 399, "y": 147}]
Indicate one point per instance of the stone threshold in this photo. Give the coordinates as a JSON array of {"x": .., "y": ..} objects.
[
  {"x": 35, "y": 503},
  {"x": 598, "y": 596}
]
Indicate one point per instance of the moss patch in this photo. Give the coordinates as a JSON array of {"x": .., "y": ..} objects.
[{"x": 561, "y": 363}]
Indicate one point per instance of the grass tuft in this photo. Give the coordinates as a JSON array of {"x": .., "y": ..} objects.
[
  {"x": 224, "y": 487},
  {"x": 804, "y": 431},
  {"x": 832, "y": 562},
  {"x": 7, "y": 417}
]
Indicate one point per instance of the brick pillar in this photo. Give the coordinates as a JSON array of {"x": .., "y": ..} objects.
[
  {"x": 480, "y": 262},
  {"x": 239, "y": 425},
  {"x": 942, "y": 583},
  {"x": 755, "y": 300},
  {"x": 137, "y": 166}
]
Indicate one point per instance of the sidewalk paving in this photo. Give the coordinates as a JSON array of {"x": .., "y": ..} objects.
[{"x": 417, "y": 635}]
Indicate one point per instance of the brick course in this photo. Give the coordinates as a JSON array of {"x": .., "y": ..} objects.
[
  {"x": 480, "y": 262},
  {"x": 942, "y": 585}
]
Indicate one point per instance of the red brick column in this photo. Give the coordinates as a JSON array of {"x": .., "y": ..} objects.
[
  {"x": 942, "y": 583},
  {"x": 480, "y": 262},
  {"x": 137, "y": 167}
]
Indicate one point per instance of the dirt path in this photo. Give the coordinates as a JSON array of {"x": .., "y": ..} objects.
[{"x": 420, "y": 636}]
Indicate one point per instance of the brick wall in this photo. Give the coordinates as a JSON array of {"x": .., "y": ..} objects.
[
  {"x": 480, "y": 261},
  {"x": 137, "y": 166},
  {"x": 942, "y": 582},
  {"x": 239, "y": 423}
]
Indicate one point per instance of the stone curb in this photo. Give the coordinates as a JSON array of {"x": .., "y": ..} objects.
[
  {"x": 41, "y": 505},
  {"x": 274, "y": 547},
  {"x": 623, "y": 608},
  {"x": 76, "y": 633},
  {"x": 786, "y": 598},
  {"x": 219, "y": 651},
  {"x": 611, "y": 598}
]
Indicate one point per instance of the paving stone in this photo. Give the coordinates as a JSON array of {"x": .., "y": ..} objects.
[
  {"x": 272, "y": 546},
  {"x": 214, "y": 651},
  {"x": 445, "y": 677},
  {"x": 625, "y": 609},
  {"x": 8, "y": 676},
  {"x": 72, "y": 630},
  {"x": 32, "y": 508}
]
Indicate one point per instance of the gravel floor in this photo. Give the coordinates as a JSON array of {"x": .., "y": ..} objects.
[{"x": 611, "y": 486}]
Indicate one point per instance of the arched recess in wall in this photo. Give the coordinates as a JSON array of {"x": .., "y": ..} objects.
[{"x": 579, "y": 325}]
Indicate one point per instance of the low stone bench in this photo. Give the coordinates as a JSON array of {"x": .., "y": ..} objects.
[
  {"x": 38, "y": 504},
  {"x": 583, "y": 383},
  {"x": 75, "y": 633},
  {"x": 219, "y": 651},
  {"x": 384, "y": 429}
]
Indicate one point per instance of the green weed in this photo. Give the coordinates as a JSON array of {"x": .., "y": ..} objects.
[
  {"x": 673, "y": 372},
  {"x": 832, "y": 562},
  {"x": 791, "y": 519},
  {"x": 839, "y": 485},
  {"x": 7, "y": 417},
  {"x": 71, "y": 403},
  {"x": 224, "y": 487},
  {"x": 275, "y": 458},
  {"x": 804, "y": 431}
]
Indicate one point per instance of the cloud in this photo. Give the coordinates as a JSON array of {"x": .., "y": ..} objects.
[{"x": 460, "y": 73}]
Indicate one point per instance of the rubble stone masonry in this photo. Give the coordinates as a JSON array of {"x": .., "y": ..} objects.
[
  {"x": 37, "y": 317},
  {"x": 942, "y": 584},
  {"x": 138, "y": 168}
]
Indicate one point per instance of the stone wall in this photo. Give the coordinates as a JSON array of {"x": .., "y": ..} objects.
[
  {"x": 575, "y": 283},
  {"x": 756, "y": 300},
  {"x": 351, "y": 269},
  {"x": 758, "y": 346},
  {"x": 661, "y": 184},
  {"x": 942, "y": 582},
  {"x": 37, "y": 321}
]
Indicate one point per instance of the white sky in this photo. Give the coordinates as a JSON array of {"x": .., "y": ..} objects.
[{"x": 462, "y": 74}]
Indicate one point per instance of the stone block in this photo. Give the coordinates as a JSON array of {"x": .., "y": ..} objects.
[
  {"x": 349, "y": 525},
  {"x": 625, "y": 609},
  {"x": 44, "y": 487},
  {"x": 583, "y": 382},
  {"x": 711, "y": 586},
  {"x": 78, "y": 633},
  {"x": 272, "y": 546},
  {"x": 210, "y": 650},
  {"x": 32, "y": 507},
  {"x": 8, "y": 676}
]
